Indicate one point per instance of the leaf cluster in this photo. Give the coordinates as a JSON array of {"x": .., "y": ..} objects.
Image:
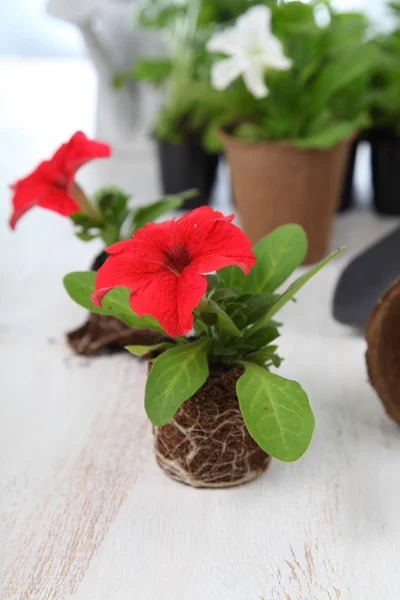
[
  {"x": 324, "y": 98},
  {"x": 116, "y": 220},
  {"x": 191, "y": 105}
]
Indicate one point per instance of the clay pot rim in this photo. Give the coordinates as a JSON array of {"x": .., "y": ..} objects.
[{"x": 227, "y": 138}]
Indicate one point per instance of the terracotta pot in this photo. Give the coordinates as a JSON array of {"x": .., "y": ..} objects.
[
  {"x": 207, "y": 444},
  {"x": 276, "y": 183},
  {"x": 383, "y": 354}
]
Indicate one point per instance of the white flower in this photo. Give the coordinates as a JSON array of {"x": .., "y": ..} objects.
[{"x": 252, "y": 48}]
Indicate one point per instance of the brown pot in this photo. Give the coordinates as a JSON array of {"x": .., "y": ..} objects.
[
  {"x": 276, "y": 183},
  {"x": 207, "y": 444},
  {"x": 383, "y": 354}
]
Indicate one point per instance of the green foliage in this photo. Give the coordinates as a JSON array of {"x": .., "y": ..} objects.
[
  {"x": 80, "y": 286},
  {"x": 233, "y": 325},
  {"x": 116, "y": 220},
  {"x": 292, "y": 290},
  {"x": 331, "y": 134},
  {"x": 156, "y": 14},
  {"x": 276, "y": 411},
  {"x": 324, "y": 97},
  {"x": 224, "y": 322},
  {"x": 154, "y": 71},
  {"x": 86, "y": 228},
  {"x": 278, "y": 255},
  {"x": 190, "y": 112},
  {"x": 111, "y": 206},
  {"x": 192, "y": 108},
  {"x": 174, "y": 377},
  {"x": 163, "y": 14},
  {"x": 151, "y": 212},
  {"x": 142, "y": 351}
]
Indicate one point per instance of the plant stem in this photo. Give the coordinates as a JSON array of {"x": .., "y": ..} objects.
[{"x": 83, "y": 202}]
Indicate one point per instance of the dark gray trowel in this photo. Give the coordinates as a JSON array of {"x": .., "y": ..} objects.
[{"x": 365, "y": 279}]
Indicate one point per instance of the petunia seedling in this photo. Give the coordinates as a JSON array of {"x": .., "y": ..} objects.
[
  {"x": 107, "y": 216},
  {"x": 163, "y": 279}
]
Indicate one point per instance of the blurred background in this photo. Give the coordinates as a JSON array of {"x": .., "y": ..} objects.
[
  {"x": 28, "y": 30},
  {"x": 80, "y": 45}
]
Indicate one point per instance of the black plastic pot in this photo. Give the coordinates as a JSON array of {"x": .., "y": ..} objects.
[
  {"x": 187, "y": 166},
  {"x": 347, "y": 196},
  {"x": 385, "y": 158},
  {"x": 99, "y": 261}
]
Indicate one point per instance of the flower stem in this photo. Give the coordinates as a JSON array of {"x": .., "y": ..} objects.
[{"x": 83, "y": 202}]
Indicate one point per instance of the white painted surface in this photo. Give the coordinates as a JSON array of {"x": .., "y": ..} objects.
[{"x": 85, "y": 512}]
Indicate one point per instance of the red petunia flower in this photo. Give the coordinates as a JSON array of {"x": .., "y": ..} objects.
[
  {"x": 163, "y": 265},
  {"x": 50, "y": 184}
]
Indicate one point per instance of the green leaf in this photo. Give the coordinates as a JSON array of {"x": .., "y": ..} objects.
[
  {"x": 259, "y": 304},
  {"x": 263, "y": 336},
  {"x": 248, "y": 132},
  {"x": 341, "y": 72},
  {"x": 224, "y": 322},
  {"x": 276, "y": 411},
  {"x": 208, "y": 318},
  {"x": 240, "y": 320},
  {"x": 84, "y": 220},
  {"x": 222, "y": 293},
  {"x": 85, "y": 237},
  {"x": 292, "y": 290},
  {"x": 148, "y": 214},
  {"x": 143, "y": 350},
  {"x": 212, "y": 281},
  {"x": 265, "y": 356},
  {"x": 110, "y": 233},
  {"x": 112, "y": 203},
  {"x": 278, "y": 255},
  {"x": 232, "y": 277},
  {"x": 153, "y": 71},
  {"x": 175, "y": 376},
  {"x": 211, "y": 141},
  {"x": 199, "y": 327},
  {"x": 234, "y": 308},
  {"x": 329, "y": 136},
  {"x": 80, "y": 286},
  {"x": 160, "y": 15}
]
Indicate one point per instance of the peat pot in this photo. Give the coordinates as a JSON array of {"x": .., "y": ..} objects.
[{"x": 276, "y": 183}]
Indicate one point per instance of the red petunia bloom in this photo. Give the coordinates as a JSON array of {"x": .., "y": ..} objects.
[
  {"x": 163, "y": 265},
  {"x": 50, "y": 184}
]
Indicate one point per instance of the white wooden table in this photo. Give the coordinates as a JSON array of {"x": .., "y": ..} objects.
[{"x": 85, "y": 512}]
